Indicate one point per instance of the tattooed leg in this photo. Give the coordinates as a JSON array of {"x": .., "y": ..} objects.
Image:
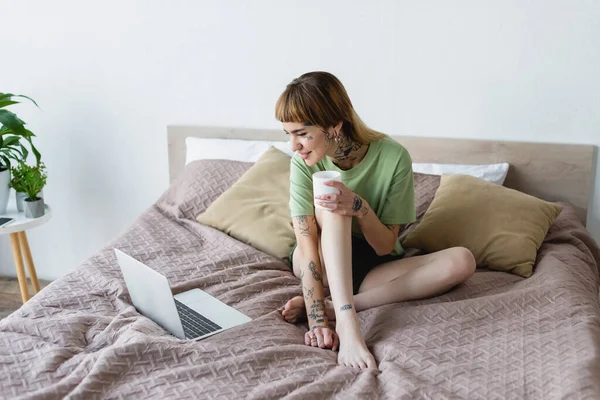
[{"x": 337, "y": 253}]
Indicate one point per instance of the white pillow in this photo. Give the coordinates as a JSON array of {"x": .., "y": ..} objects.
[
  {"x": 231, "y": 149},
  {"x": 251, "y": 150},
  {"x": 490, "y": 172}
]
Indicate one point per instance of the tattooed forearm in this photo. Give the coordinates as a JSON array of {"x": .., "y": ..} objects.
[
  {"x": 346, "y": 307},
  {"x": 357, "y": 204},
  {"x": 303, "y": 222},
  {"x": 394, "y": 228},
  {"x": 308, "y": 292},
  {"x": 313, "y": 268},
  {"x": 317, "y": 310}
]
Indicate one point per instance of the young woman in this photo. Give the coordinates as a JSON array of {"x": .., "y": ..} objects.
[{"x": 352, "y": 247}]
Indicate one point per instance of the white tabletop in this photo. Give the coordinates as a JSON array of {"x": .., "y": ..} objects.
[{"x": 20, "y": 222}]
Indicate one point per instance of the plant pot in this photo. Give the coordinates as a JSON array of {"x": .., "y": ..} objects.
[
  {"x": 21, "y": 196},
  {"x": 34, "y": 209},
  {"x": 4, "y": 189}
]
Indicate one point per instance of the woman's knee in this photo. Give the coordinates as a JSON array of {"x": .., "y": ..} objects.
[
  {"x": 461, "y": 265},
  {"x": 325, "y": 218}
]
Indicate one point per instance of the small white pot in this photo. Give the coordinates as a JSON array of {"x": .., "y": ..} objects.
[
  {"x": 34, "y": 209},
  {"x": 4, "y": 189},
  {"x": 21, "y": 196}
]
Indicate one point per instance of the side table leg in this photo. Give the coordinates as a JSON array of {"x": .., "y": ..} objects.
[
  {"x": 29, "y": 261},
  {"x": 16, "y": 249}
]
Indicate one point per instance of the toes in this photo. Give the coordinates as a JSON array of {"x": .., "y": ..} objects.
[
  {"x": 362, "y": 365},
  {"x": 371, "y": 363}
]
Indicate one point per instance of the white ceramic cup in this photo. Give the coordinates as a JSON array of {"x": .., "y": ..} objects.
[{"x": 319, "y": 188}]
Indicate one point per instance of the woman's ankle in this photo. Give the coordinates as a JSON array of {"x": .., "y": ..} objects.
[{"x": 347, "y": 316}]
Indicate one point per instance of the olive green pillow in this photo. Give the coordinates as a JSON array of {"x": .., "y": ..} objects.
[
  {"x": 255, "y": 210},
  {"x": 502, "y": 227}
]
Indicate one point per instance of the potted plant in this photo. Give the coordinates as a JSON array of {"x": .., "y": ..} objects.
[
  {"x": 18, "y": 184},
  {"x": 33, "y": 180},
  {"x": 12, "y": 137}
]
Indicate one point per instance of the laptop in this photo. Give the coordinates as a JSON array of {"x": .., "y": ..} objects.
[{"x": 193, "y": 315}]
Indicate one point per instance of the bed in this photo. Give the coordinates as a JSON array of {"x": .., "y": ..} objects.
[{"x": 497, "y": 336}]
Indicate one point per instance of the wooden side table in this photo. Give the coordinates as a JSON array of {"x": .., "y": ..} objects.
[{"x": 20, "y": 246}]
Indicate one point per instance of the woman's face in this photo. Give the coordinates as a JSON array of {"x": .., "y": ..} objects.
[{"x": 311, "y": 142}]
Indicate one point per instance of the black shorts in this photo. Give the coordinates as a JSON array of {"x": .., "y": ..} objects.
[{"x": 364, "y": 259}]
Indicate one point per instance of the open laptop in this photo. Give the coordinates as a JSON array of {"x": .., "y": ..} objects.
[{"x": 194, "y": 314}]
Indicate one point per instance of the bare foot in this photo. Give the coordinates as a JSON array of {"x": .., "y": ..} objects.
[
  {"x": 295, "y": 310},
  {"x": 353, "y": 350}
]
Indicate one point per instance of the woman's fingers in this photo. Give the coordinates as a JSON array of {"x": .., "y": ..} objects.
[
  {"x": 319, "y": 336},
  {"x": 308, "y": 338},
  {"x": 336, "y": 342},
  {"x": 336, "y": 184},
  {"x": 330, "y": 206},
  {"x": 328, "y": 339},
  {"x": 324, "y": 338},
  {"x": 328, "y": 197}
]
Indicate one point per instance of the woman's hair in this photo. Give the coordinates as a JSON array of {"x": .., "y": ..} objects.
[{"x": 319, "y": 98}]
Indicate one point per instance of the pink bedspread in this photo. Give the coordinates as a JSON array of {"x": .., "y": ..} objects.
[{"x": 497, "y": 336}]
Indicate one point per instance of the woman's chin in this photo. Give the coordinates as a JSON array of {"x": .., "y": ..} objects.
[{"x": 311, "y": 160}]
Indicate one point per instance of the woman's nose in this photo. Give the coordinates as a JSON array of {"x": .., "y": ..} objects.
[{"x": 296, "y": 144}]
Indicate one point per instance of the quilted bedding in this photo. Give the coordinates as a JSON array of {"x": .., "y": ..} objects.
[{"x": 497, "y": 336}]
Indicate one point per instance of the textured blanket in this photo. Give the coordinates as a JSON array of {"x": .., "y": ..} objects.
[{"x": 497, "y": 336}]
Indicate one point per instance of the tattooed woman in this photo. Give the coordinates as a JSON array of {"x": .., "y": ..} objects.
[{"x": 352, "y": 247}]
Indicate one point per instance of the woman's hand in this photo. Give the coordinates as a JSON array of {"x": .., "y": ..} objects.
[
  {"x": 345, "y": 203},
  {"x": 322, "y": 337}
]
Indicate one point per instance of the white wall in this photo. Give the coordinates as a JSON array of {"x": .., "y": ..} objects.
[{"x": 110, "y": 76}]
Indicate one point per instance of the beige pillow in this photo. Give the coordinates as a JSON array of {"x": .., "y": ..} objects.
[
  {"x": 503, "y": 227},
  {"x": 255, "y": 210}
]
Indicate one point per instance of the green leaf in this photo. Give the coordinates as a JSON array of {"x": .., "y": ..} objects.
[
  {"x": 36, "y": 153},
  {"x": 28, "y": 134},
  {"x": 8, "y": 96},
  {"x": 13, "y": 122},
  {"x": 4, "y": 103},
  {"x": 16, "y": 149},
  {"x": 5, "y": 162},
  {"x": 25, "y": 97},
  {"x": 26, "y": 153},
  {"x": 9, "y": 141}
]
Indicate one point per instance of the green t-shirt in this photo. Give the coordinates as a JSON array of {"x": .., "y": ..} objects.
[{"x": 383, "y": 178}]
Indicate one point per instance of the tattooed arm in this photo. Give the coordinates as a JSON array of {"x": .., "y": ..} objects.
[
  {"x": 307, "y": 254},
  {"x": 381, "y": 237}
]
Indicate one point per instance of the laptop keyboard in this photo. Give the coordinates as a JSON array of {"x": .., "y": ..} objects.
[{"x": 194, "y": 324}]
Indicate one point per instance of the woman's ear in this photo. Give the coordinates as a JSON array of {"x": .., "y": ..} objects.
[{"x": 338, "y": 127}]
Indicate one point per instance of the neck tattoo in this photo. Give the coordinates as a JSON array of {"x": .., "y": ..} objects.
[{"x": 346, "y": 151}]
